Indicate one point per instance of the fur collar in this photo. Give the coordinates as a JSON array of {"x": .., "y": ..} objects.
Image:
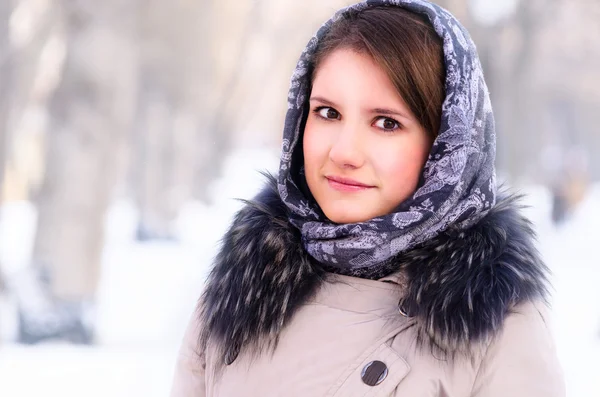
[{"x": 460, "y": 285}]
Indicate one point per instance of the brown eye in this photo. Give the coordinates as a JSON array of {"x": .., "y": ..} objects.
[
  {"x": 387, "y": 124},
  {"x": 328, "y": 113}
]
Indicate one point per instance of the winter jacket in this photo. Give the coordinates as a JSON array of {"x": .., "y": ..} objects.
[
  {"x": 356, "y": 337},
  {"x": 463, "y": 313}
]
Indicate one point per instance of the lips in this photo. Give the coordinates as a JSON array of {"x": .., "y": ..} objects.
[{"x": 346, "y": 184}]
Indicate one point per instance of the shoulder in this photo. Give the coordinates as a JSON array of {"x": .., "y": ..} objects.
[
  {"x": 533, "y": 315},
  {"x": 526, "y": 333},
  {"x": 463, "y": 283},
  {"x": 521, "y": 358},
  {"x": 189, "y": 375}
]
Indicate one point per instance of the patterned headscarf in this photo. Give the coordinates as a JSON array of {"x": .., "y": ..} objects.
[{"x": 458, "y": 184}]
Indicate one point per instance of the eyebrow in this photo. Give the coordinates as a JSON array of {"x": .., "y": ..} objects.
[
  {"x": 323, "y": 101},
  {"x": 389, "y": 112},
  {"x": 383, "y": 111}
]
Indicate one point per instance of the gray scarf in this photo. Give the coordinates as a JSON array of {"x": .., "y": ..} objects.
[{"x": 458, "y": 184}]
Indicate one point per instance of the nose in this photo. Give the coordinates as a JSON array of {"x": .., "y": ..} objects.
[{"x": 346, "y": 151}]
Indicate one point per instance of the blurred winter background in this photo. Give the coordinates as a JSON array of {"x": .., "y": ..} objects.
[{"x": 128, "y": 128}]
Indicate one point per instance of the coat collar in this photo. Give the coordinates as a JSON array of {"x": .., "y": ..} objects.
[{"x": 459, "y": 286}]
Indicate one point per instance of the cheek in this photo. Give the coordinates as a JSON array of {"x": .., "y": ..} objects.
[
  {"x": 315, "y": 149},
  {"x": 399, "y": 167}
]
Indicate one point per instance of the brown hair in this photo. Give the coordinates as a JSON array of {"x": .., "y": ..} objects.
[{"x": 405, "y": 46}]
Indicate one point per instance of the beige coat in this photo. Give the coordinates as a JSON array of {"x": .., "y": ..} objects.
[
  {"x": 349, "y": 324},
  {"x": 471, "y": 287}
]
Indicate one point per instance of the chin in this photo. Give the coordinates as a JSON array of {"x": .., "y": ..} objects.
[{"x": 348, "y": 216}]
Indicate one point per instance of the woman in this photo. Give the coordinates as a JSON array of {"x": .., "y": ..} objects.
[{"x": 381, "y": 261}]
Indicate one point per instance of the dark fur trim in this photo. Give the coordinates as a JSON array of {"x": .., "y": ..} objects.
[
  {"x": 460, "y": 285},
  {"x": 260, "y": 278}
]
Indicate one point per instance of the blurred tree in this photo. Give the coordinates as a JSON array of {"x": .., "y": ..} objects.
[
  {"x": 176, "y": 152},
  {"x": 33, "y": 29},
  {"x": 90, "y": 112},
  {"x": 190, "y": 97},
  {"x": 5, "y": 88},
  {"x": 517, "y": 101},
  {"x": 232, "y": 28},
  {"x": 157, "y": 98}
]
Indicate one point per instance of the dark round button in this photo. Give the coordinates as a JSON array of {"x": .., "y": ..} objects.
[{"x": 374, "y": 373}]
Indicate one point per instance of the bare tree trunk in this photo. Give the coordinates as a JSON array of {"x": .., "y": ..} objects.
[
  {"x": 5, "y": 92},
  {"x": 154, "y": 157},
  {"x": 5, "y": 86},
  {"x": 88, "y": 115},
  {"x": 215, "y": 137},
  {"x": 25, "y": 59},
  {"x": 519, "y": 133},
  {"x": 168, "y": 87}
]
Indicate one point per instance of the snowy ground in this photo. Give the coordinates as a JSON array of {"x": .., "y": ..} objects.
[
  {"x": 148, "y": 291},
  {"x": 570, "y": 252}
]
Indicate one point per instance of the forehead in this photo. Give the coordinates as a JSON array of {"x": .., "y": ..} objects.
[{"x": 351, "y": 76}]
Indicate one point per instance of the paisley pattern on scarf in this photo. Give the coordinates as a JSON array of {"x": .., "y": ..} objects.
[{"x": 458, "y": 186}]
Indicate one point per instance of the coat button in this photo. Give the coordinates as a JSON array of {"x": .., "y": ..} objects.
[{"x": 374, "y": 373}]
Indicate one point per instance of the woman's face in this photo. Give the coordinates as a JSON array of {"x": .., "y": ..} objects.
[{"x": 363, "y": 149}]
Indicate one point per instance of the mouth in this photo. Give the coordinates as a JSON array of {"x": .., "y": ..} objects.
[{"x": 346, "y": 184}]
